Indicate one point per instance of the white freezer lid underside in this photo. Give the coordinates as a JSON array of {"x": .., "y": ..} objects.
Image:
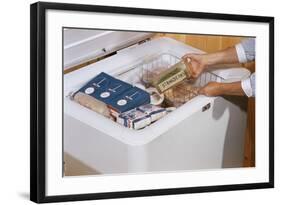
[
  {"x": 130, "y": 57},
  {"x": 125, "y": 59},
  {"x": 82, "y": 45}
]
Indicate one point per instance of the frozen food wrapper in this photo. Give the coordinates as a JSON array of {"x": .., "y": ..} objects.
[
  {"x": 116, "y": 94},
  {"x": 172, "y": 76},
  {"x": 180, "y": 94},
  {"x": 155, "y": 97},
  {"x": 153, "y": 111},
  {"x": 129, "y": 100},
  {"x": 134, "y": 119},
  {"x": 149, "y": 76},
  {"x": 170, "y": 109},
  {"x": 105, "y": 88},
  {"x": 92, "y": 103}
]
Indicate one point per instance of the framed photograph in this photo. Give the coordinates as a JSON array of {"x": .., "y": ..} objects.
[{"x": 129, "y": 102}]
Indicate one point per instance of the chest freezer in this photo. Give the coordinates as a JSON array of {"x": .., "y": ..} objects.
[{"x": 203, "y": 133}]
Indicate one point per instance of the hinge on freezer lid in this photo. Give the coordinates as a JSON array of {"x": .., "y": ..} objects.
[
  {"x": 143, "y": 41},
  {"x": 206, "y": 107},
  {"x": 134, "y": 45},
  {"x": 70, "y": 95}
]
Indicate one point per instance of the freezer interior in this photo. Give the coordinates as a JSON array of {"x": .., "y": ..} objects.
[
  {"x": 141, "y": 62},
  {"x": 139, "y": 74}
]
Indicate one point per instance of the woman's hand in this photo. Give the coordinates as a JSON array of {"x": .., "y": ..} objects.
[
  {"x": 199, "y": 62},
  {"x": 196, "y": 62},
  {"x": 217, "y": 89},
  {"x": 212, "y": 89}
]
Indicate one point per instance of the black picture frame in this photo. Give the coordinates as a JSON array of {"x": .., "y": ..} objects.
[{"x": 38, "y": 101}]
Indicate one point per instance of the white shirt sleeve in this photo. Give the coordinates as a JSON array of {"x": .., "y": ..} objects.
[
  {"x": 248, "y": 86},
  {"x": 246, "y": 50},
  {"x": 241, "y": 53}
]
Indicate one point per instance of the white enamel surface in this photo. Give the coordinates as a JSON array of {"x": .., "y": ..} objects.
[
  {"x": 233, "y": 74},
  {"x": 82, "y": 45}
]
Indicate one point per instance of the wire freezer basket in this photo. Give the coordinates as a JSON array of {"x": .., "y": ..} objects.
[
  {"x": 188, "y": 89},
  {"x": 154, "y": 66},
  {"x": 145, "y": 71},
  {"x": 181, "y": 93}
]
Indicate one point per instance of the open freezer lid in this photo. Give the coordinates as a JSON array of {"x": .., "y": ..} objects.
[{"x": 82, "y": 45}]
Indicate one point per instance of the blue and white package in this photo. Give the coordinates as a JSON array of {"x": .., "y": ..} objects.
[
  {"x": 105, "y": 88},
  {"x": 118, "y": 95},
  {"x": 153, "y": 111},
  {"x": 130, "y": 99},
  {"x": 133, "y": 119}
]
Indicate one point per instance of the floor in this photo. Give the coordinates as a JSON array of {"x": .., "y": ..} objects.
[{"x": 74, "y": 167}]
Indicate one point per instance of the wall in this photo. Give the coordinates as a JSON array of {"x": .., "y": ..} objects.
[
  {"x": 209, "y": 43},
  {"x": 206, "y": 43},
  {"x": 14, "y": 103}
]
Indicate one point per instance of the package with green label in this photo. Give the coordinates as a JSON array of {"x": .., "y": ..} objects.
[{"x": 172, "y": 76}]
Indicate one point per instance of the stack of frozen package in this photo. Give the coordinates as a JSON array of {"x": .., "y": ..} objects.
[
  {"x": 130, "y": 99},
  {"x": 153, "y": 111},
  {"x": 141, "y": 116},
  {"x": 134, "y": 119},
  {"x": 118, "y": 95}
]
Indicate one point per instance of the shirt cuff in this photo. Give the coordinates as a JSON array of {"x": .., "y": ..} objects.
[
  {"x": 247, "y": 88},
  {"x": 242, "y": 58}
]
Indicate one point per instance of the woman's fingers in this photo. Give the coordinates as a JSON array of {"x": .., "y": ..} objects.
[
  {"x": 202, "y": 91},
  {"x": 192, "y": 64},
  {"x": 211, "y": 89},
  {"x": 196, "y": 69},
  {"x": 193, "y": 71},
  {"x": 185, "y": 56},
  {"x": 195, "y": 63},
  {"x": 189, "y": 55},
  {"x": 187, "y": 61}
]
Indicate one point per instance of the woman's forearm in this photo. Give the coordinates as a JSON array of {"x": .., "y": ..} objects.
[
  {"x": 226, "y": 56},
  {"x": 232, "y": 89},
  {"x": 217, "y": 89}
]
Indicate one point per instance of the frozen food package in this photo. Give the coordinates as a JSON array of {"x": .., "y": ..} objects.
[
  {"x": 172, "y": 76},
  {"x": 118, "y": 95},
  {"x": 134, "y": 119},
  {"x": 155, "y": 97},
  {"x": 170, "y": 109},
  {"x": 92, "y": 103},
  {"x": 155, "y": 112},
  {"x": 181, "y": 93},
  {"x": 130, "y": 99},
  {"x": 150, "y": 75},
  {"x": 105, "y": 87}
]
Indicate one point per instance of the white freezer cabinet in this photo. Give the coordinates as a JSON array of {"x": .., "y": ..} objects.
[{"x": 204, "y": 133}]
